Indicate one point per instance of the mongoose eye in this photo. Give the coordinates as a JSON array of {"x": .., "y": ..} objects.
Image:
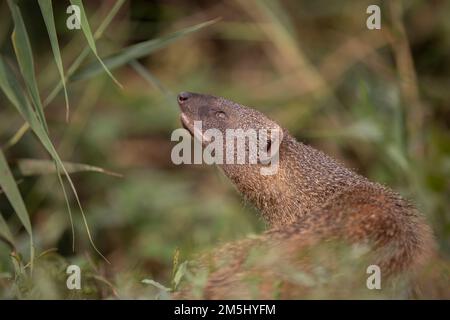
[{"x": 220, "y": 115}]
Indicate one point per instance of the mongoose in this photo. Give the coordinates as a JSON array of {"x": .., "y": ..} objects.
[{"x": 311, "y": 199}]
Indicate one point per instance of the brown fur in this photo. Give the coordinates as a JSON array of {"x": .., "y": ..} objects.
[{"x": 311, "y": 200}]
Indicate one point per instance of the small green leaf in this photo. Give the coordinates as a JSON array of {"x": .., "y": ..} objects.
[
  {"x": 156, "y": 284},
  {"x": 181, "y": 272}
]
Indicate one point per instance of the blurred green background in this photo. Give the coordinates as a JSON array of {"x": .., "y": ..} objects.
[{"x": 378, "y": 100}]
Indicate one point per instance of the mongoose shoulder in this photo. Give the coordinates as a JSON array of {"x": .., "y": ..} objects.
[{"x": 310, "y": 199}]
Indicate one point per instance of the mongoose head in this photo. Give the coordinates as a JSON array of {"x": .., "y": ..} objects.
[
  {"x": 222, "y": 114},
  {"x": 231, "y": 121},
  {"x": 303, "y": 176}
]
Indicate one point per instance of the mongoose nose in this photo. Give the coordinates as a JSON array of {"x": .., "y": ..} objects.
[{"x": 183, "y": 97}]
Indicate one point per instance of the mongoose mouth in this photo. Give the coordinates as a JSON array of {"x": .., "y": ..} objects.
[
  {"x": 195, "y": 131},
  {"x": 185, "y": 123}
]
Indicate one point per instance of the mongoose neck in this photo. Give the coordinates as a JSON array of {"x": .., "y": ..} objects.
[{"x": 305, "y": 179}]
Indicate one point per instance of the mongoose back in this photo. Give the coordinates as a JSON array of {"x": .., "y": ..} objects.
[{"x": 311, "y": 199}]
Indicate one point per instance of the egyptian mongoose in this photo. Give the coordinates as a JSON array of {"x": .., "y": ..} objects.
[{"x": 311, "y": 198}]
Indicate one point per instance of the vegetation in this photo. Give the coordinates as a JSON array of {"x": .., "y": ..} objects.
[{"x": 86, "y": 117}]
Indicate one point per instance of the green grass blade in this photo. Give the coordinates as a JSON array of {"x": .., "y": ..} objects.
[
  {"x": 5, "y": 233},
  {"x": 90, "y": 38},
  {"x": 153, "y": 81},
  {"x": 69, "y": 210},
  {"x": 105, "y": 23},
  {"x": 22, "y": 48},
  {"x": 71, "y": 70},
  {"x": 10, "y": 189},
  {"x": 137, "y": 51},
  {"x": 31, "y": 167},
  {"x": 47, "y": 13},
  {"x": 11, "y": 88}
]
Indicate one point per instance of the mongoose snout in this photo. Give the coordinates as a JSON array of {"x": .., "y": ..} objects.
[{"x": 220, "y": 113}]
